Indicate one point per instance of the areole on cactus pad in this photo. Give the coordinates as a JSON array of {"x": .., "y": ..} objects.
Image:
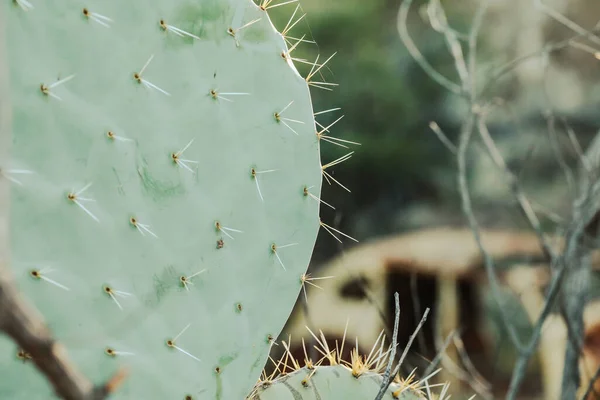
[{"x": 162, "y": 156}]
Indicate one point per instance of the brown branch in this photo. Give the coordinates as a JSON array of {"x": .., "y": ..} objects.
[{"x": 25, "y": 326}]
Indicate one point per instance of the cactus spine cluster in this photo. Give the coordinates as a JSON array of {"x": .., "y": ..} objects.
[
  {"x": 165, "y": 192},
  {"x": 332, "y": 377}
]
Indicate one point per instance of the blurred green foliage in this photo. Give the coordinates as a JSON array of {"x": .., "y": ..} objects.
[{"x": 387, "y": 102}]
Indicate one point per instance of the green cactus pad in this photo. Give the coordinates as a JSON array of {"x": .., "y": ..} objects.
[
  {"x": 159, "y": 219},
  {"x": 330, "y": 383}
]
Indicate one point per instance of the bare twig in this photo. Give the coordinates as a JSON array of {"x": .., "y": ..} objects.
[
  {"x": 572, "y": 254},
  {"x": 26, "y": 327},
  {"x": 385, "y": 384},
  {"x": 467, "y": 209},
  {"x": 527, "y": 352},
  {"x": 576, "y": 287},
  {"x": 442, "y": 136},
  {"x": 477, "y": 381},
  {"x": 453, "y": 369},
  {"x": 516, "y": 188},
  {"x": 554, "y": 144},
  {"x": 462, "y": 177},
  {"x": 576, "y": 146},
  {"x": 576, "y": 259},
  {"x": 567, "y": 22},
  {"x": 437, "y": 16},
  {"x": 416, "y": 54},
  {"x": 473, "y": 34},
  {"x": 590, "y": 387},
  {"x": 410, "y": 340},
  {"x": 511, "y": 65},
  {"x": 111, "y": 386},
  {"x": 576, "y": 256},
  {"x": 441, "y": 350}
]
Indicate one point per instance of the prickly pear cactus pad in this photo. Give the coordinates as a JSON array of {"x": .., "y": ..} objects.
[
  {"x": 162, "y": 154},
  {"x": 332, "y": 382}
]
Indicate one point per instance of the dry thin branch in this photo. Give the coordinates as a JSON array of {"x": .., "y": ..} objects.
[
  {"x": 437, "y": 16},
  {"x": 410, "y": 340},
  {"x": 577, "y": 256},
  {"x": 464, "y": 141},
  {"x": 576, "y": 146},
  {"x": 590, "y": 387},
  {"x": 388, "y": 370},
  {"x": 480, "y": 386},
  {"x": 440, "y": 354},
  {"x": 478, "y": 382},
  {"x": 516, "y": 188},
  {"x": 467, "y": 209},
  {"x": 576, "y": 287},
  {"x": 473, "y": 35},
  {"x": 526, "y": 353},
  {"x": 442, "y": 137},
  {"x": 572, "y": 266},
  {"x": 543, "y": 52},
  {"x": 26, "y": 327},
  {"x": 556, "y": 148},
  {"x": 416, "y": 54},
  {"x": 567, "y": 22}
]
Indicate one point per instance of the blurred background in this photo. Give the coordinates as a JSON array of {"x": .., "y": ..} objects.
[{"x": 537, "y": 62}]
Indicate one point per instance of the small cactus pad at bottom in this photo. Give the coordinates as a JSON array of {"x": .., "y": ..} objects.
[{"x": 332, "y": 383}]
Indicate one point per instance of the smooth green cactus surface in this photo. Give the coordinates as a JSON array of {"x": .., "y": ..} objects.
[
  {"x": 160, "y": 158},
  {"x": 331, "y": 383}
]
